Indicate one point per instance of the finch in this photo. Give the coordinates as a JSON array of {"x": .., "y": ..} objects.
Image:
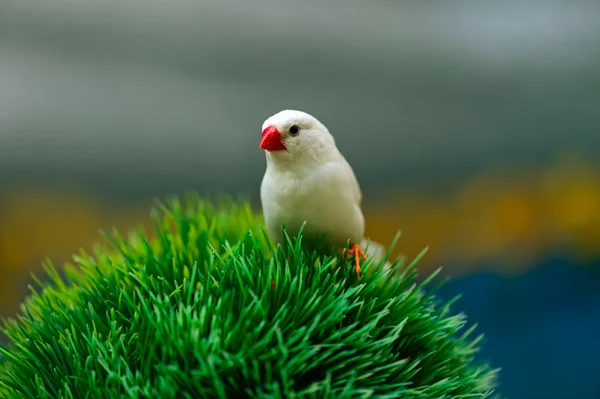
[{"x": 308, "y": 181}]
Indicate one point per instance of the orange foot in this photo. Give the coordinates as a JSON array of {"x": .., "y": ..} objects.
[
  {"x": 272, "y": 283},
  {"x": 358, "y": 253}
]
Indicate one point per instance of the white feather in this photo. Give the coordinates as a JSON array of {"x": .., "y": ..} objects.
[{"x": 311, "y": 182}]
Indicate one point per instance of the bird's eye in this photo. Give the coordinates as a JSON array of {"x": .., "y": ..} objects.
[{"x": 294, "y": 130}]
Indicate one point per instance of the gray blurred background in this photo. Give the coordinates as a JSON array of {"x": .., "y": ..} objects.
[
  {"x": 456, "y": 116},
  {"x": 173, "y": 94}
]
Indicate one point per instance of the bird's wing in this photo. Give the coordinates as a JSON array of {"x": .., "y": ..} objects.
[
  {"x": 353, "y": 181},
  {"x": 342, "y": 173}
]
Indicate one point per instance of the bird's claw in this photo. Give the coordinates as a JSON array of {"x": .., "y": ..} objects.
[{"x": 358, "y": 253}]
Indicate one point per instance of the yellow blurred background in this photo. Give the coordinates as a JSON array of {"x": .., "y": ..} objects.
[{"x": 512, "y": 217}]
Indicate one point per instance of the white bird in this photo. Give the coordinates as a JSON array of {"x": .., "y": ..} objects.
[{"x": 308, "y": 180}]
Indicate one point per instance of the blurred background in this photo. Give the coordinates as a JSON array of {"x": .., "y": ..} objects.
[{"x": 473, "y": 127}]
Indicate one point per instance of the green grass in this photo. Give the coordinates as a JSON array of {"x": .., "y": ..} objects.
[{"x": 189, "y": 312}]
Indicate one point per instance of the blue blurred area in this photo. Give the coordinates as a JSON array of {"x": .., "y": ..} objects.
[{"x": 542, "y": 327}]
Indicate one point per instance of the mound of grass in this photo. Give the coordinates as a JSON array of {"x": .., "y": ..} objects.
[{"x": 207, "y": 308}]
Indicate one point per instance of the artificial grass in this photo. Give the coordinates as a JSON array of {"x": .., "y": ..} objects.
[{"x": 191, "y": 313}]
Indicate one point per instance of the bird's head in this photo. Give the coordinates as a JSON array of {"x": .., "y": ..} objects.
[{"x": 291, "y": 135}]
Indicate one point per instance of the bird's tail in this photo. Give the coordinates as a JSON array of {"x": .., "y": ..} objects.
[{"x": 375, "y": 250}]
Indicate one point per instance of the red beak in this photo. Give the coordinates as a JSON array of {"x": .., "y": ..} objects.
[{"x": 271, "y": 140}]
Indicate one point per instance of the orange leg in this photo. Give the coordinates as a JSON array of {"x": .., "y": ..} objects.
[{"x": 358, "y": 253}]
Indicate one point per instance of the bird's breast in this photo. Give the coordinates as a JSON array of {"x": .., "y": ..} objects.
[{"x": 315, "y": 200}]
